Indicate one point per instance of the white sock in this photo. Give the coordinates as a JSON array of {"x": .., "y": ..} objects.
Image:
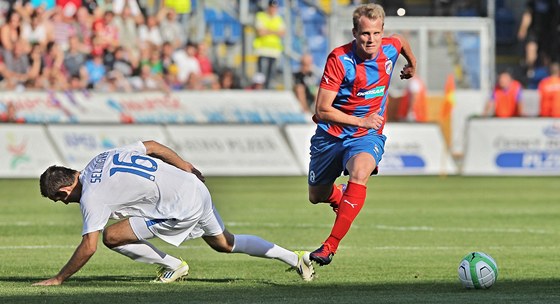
[
  {"x": 145, "y": 252},
  {"x": 258, "y": 247}
]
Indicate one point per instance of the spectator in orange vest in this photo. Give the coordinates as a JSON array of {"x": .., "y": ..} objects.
[
  {"x": 549, "y": 91},
  {"x": 506, "y": 98}
]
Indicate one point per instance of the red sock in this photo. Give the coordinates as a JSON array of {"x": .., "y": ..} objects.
[
  {"x": 350, "y": 205},
  {"x": 335, "y": 197}
]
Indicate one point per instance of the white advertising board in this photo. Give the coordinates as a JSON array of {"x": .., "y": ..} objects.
[
  {"x": 38, "y": 107},
  {"x": 212, "y": 107},
  {"x": 468, "y": 103},
  {"x": 411, "y": 149},
  {"x": 416, "y": 149},
  {"x": 299, "y": 137},
  {"x": 26, "y": 151},
  {"x": 471, "y": 103},
  {"x": 238, "y": 106},
  {"x": 229, "y": 150},
  {"x": 514, "y": 146},
  {"x": 78, "y": 144}
]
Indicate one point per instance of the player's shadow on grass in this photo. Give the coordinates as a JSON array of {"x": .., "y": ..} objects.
[
  {"x": 91, "y": 290},
  {"x": 113, "y": 279},
  {"x": 224, "y": 280},
  {"x": 81, "y": 279}
]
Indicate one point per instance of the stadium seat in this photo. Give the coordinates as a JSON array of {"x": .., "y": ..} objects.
[
  {"x": 307, "y": 12},
  {"x": 467, "y": 12},
  {"x": 313, "y": 37},
  {"x": 233, "y": 29},
  {"x": 215, "y": 22},
  {"x": 317, "y": 43},
  {"x": 319, "y": 58},
  {"x": 505, "y": 26},
  {"x": 469, "y": 47}
]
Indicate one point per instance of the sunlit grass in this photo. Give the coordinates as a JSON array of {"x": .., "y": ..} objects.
[{"x": 404, "y": 247}]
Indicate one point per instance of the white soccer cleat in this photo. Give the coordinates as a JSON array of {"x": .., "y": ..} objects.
[
  {"x": 304, "y": 267},
  {"x": 168, "y": 276}
]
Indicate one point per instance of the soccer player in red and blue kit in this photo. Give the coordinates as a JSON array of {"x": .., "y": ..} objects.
[{"x": 350, "y": 115}]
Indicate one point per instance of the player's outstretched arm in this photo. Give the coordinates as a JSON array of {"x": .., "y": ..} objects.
[
  {"x": 155, "y": 149},
  {"x": 81, "y": 256},
  {"x": 409, "y": 69}
]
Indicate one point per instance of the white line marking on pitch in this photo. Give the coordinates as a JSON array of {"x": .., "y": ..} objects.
[
  {"x": 400, "y": 228},
  {"x": 381, "y": 248},
  {"x": 24, "y": 224},
  {"x": 459, "y": 229}
]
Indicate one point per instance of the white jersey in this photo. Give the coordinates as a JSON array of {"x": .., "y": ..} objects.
[{"x": 125, "y": 182}]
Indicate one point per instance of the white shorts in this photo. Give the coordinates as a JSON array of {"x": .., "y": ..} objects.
[{"x": 174, "y": 231}]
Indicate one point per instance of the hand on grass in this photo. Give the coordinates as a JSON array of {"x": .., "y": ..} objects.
[{"x": 48, "y": 282}]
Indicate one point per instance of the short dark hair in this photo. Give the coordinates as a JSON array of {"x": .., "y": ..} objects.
[{"x": 54, "y": 178}]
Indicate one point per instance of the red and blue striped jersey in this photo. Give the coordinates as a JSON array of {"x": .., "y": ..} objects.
[{"x": 362, "y": 86}]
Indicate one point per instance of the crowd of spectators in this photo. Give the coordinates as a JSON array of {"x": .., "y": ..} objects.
[
  {"x": 118, "y": 46},
  {"x": 131, "y": 46},
  {"x": 539, "y": 35}
]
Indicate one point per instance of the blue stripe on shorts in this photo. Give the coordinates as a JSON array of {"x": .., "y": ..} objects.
[{"x": 150, "y": 223}]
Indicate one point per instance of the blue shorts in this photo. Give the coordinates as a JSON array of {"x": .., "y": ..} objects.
[{"x": 330, "y": 154}]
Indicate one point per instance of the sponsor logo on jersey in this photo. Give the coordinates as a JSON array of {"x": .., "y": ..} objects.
[
  {"x": 388, "y": 67},
  {"x": 375, "y": 92},
  {"x": 348, "y": 59}
]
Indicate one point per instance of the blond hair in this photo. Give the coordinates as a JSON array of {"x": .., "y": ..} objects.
[{"x": 371, "y": 11}]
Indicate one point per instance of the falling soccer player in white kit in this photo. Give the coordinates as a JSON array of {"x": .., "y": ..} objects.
[{"x": 154, "y": 193}]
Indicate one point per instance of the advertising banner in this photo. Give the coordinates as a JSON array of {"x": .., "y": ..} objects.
[
  {"x": 26, "y": 151},
  {"x": 410, "y": 149},
  {"x": 415, "y": 149},
  {"x": 513, "y": 146},
  {"x": 39, "y": 107},
  {"x": 78, "y": 144},
  {"x": 211, "y": 107},
  {"x": 229, "y": 150},
  {"x": 255, "y": 107}
]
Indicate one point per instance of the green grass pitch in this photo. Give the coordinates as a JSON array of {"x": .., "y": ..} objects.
[{"x": 404, "y": 247}]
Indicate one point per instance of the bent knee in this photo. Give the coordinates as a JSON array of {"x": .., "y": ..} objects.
[
  {"x": 316, "y": 198},
  {"x": 360, "y": 177},
  {"x": 319, "y": 194},
  {"x": 220, "y": 243},
  {"x": 109, "y": 240},
  {"x": 223, "y": 248}
]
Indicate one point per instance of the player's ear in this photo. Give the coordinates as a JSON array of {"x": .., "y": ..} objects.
[{"x": 59, "y": 195}]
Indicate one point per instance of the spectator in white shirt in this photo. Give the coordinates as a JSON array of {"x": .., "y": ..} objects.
[
  {"x": 187, "y": 65},
  {"x": 150, "y": 33},
  {"x": 171, "y": 30}
]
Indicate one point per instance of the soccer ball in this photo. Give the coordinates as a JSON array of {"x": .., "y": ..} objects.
[{"x": 478, "y": 270}]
